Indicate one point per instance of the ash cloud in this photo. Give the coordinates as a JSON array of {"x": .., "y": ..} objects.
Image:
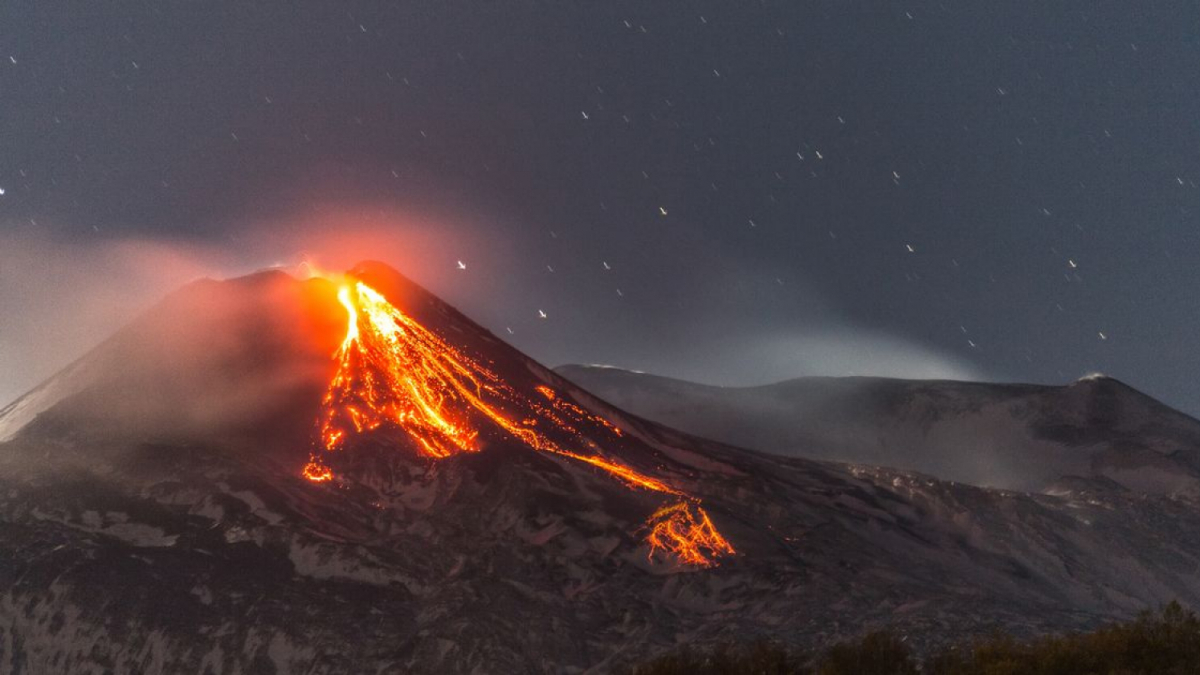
[
  {"x": 61, "y": 298},
  {"x": 735, "y": 323},
  {"x": 715, "y": 324},
  {"x": 772, "y": 356},
  {"x": 63, "y": 295}
]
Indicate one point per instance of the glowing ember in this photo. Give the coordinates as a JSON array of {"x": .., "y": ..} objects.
[
  {"x": 317, "y": 473},
  {"x": 685, "y": 530},
  {"x": 394, "y": 373}
]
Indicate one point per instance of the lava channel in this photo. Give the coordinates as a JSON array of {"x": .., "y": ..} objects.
[{"x": 393, "y": 372}]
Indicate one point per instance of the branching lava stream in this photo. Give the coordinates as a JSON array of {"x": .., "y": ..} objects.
[{"x": 394, "y": 373}]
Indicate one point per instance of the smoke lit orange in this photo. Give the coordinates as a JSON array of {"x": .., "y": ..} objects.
[{"x": 393, "y": 372}]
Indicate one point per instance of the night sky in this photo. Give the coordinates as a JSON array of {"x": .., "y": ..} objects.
[{"x": 730, "y": 192}]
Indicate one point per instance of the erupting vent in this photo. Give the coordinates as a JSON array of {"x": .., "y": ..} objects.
[{"x": 394, "y": 373}]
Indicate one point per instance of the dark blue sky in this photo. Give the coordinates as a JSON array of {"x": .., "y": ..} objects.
[{"x": 997, "y": 190}]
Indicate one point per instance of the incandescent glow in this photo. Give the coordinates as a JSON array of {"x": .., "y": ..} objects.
[
  {"x": 317, "y": 473},
  {"x": 394, "y": 373},
  {"x": 352, "y": 331},
  {"x": 391, "y": 371},
  {"x": 685, "y": 530}
]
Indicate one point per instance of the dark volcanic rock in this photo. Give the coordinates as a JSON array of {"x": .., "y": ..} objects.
[
  {"x": 1015, "y": 436},
  {"x": 133, "y": 544}
]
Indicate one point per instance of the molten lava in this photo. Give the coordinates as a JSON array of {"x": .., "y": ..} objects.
[
  {"x": 686, "y": 531},
  {"x": 394, "y": 373},
  {"x": 317, "y": 473}
]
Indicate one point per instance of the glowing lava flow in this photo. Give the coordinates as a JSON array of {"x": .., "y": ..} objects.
[
  {"x": 393, "y": 372},
  {"x": 686, "y": 530}
]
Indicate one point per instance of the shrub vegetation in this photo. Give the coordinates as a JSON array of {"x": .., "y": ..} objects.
[{"x": 1166, "y": 642}]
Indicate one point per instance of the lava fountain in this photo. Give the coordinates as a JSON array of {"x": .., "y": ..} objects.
[{"x": 394, "y": 373}]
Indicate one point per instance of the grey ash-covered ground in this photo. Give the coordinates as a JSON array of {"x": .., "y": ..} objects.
[{"x": 153, "y": 520}]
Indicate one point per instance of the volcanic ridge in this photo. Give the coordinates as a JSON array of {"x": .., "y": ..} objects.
[{"x": 345, "y": 474}]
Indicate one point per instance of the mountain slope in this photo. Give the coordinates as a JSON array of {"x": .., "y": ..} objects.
[
  {"x": 1022, "y": 437},
  {"x": 155, "y": 517}
]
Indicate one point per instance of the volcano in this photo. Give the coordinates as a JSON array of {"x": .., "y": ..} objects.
[
  {"x": 1027, "y": 437},
  {"x": 346, "y": 474}
]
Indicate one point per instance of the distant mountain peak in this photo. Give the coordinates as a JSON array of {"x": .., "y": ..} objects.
[
  {"x": 1014, "y": 436},
  {"x": 156, "y": 485}
]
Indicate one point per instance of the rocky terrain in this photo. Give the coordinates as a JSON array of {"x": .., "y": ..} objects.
[
  {"x": 154, "y": 518},
  {"x": 1015, "y": 436}
]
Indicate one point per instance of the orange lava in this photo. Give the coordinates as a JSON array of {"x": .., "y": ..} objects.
[
  {"x": 391, "y": 371},
  {"x": 394, "y": 373},
  {"x": 317, "y": 473},
  {"x": 685, "y": 530}
]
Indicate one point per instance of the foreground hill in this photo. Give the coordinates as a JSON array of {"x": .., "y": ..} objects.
[
  {"x": 1015, "y": 436},
  {"x": 240, "y": 482}
]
